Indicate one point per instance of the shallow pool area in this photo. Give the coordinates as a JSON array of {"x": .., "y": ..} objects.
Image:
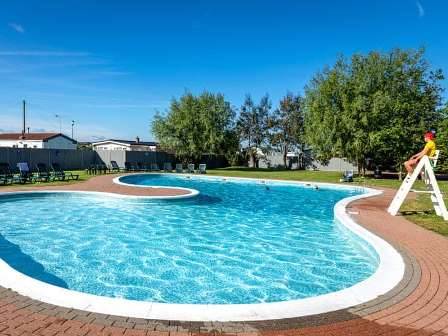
[{"x": 237, "y": 242}]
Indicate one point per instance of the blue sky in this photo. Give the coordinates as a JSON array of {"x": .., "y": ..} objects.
[{"x": 110, "y": 65}]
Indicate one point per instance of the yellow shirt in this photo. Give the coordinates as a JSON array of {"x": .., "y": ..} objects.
[{"x": 430, "y": 148}]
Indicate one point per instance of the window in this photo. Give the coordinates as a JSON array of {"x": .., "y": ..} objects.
[
  {"x": 15, "y": 146},
  {"x": 34, "y": 146},
  {"x": 25, "y": 146}
]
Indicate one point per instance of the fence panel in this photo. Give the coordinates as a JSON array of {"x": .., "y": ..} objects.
[
  {"x": 69, "y": 159},
  {"x": 73, "y": 159}
]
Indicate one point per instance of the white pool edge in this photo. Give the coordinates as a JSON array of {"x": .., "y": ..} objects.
[
  {"x": 191, "y": 192},
  {"x": 388, "y": 274}
]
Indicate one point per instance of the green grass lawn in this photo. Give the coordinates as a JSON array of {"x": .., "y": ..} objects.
[
  {"x": 418, "y": 210},
  {"x": 83, "y": 176},
  {"x": 299, "y": 175}
]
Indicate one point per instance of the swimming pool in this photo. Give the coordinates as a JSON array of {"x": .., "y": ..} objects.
[{"x": 237, "y": 242}]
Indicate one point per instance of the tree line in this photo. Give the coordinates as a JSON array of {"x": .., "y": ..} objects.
[{"x": 370, "y": 109}]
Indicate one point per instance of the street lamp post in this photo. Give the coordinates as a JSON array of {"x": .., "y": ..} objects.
[
  {"x": 73, "y": 125},
  {"x": 60, "y": 122}
]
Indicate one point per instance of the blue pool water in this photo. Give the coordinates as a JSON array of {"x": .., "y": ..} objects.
[{"x": 237, "y": 242}]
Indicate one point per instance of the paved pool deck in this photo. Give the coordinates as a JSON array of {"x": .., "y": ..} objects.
[
  {"x": 102, "y": 183},
  {"x": 417, "y": 306}
]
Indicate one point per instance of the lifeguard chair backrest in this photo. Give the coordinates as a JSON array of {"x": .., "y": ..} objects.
[{"x": 435, "y": 158}]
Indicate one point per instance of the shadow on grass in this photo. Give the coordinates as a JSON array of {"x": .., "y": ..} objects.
[
  {"x": 17, "y": 259},
  {"x": 416, "y": 212}
]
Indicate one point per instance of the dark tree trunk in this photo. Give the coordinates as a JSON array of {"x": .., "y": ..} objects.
[
  {"x": 253, "y": 162},
  {"x": 285, "y": 156},
  {"x": 302, "y": 156},
  {"x": 285, "y": 159}
]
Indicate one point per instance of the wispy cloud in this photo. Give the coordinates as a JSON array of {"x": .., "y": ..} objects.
[
  {"x": 97, "y": 138},
  {"x": 114, "y": 73},
  {"x": 125, "y": 106},
  {"x": 17, "y": 27},
  {"x": 43, "y": 53},
  {"x": 421, "y": 10}
]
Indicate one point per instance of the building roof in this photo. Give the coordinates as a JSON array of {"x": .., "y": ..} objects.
[
  {"x": 128, "y": 142},
  {"x": 33, "y": 136}
]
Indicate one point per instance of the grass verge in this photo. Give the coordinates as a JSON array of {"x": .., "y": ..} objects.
[{"x": 83, "y": 176}]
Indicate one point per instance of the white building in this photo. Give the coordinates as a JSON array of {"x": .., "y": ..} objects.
[
  {"x": 125, "y": 145},
  {"x": 37, "y": 140}
]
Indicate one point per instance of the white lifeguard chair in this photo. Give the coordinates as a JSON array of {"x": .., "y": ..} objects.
[{"x": 426, "y": 168}]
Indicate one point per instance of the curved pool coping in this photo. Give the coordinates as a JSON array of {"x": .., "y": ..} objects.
[
  {"x": 388, "y": 274},
  {"x": 191, "y": 192}
]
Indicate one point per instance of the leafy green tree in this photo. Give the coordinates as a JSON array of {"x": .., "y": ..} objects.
[
  {"x": 253, "y": 126},
  {"x": 245, "y": 127},
  {"x": 442, "y": 140},
  {"x": 374, "y": 106},
  {"x": 288, "y": 126},
  {"x": 195, "y": 125},
  {"x": 232, "y": 148}
]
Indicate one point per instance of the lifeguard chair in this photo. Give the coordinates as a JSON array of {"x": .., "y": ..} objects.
[{"x": 426, "y": 168}]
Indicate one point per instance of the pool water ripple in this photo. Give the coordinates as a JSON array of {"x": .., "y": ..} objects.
[{"x": 236, "y": 242}]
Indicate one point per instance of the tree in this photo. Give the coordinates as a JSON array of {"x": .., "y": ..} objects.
[
  {"x": 442, "y": 140},
  {"x": 376, "y": 106},
  {"x": 195, "y": 125},
  {"x": 288, "y": 125},
  {"x": 232, "y": 147},
  {"x": 253, "y": 127}
]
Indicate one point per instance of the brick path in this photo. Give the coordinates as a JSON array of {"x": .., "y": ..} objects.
[
  {"x": 417, "y": 306},
  {"x": 102, "y": 183}
]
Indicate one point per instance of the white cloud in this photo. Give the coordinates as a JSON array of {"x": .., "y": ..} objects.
[
  {"x": 17, "y": 27},
  {"x": 421, "y": 10},
  {"x": 114, "y": 73},
  {"x": 44, "y": 53}
]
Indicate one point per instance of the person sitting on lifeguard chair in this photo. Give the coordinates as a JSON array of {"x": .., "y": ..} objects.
[{"x": 429, "y": 150}]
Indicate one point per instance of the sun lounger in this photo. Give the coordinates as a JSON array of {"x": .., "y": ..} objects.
[
  {"x": 347, "y": 176},
  {"x": 25, "y": 174},
  {"x": 129, "y": 166},
  {"x": 167, "y": 167},
  {"x": 59, "y": 174},
  {"x": 114, "y": 167},
  {"x": 154, "y": 167},
  {"x": 102, "y": 168},
  {"x": 6, "y": 175},
  {"x": 202, "y": 168},
  {"x": 92, "y": 169},
  {"x": 190, "y": 168},
  {"x": 179, "y": 168},
  {"x": 42, "y": 173},
  {"x": 97, "y": 168},
  {"x": 141, "y": 166}
]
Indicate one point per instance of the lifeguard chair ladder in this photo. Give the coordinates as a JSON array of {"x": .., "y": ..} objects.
[{"x": 426, "y": 168}]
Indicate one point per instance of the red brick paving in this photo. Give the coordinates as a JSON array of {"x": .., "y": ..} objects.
[
  {"x": 102, "y": 183},
  {"x": 423, "y": 312}
]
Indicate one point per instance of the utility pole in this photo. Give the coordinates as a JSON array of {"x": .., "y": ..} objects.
[
  {"x": 24, "y": 116},
  {"x": 73, "y": 125}
]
